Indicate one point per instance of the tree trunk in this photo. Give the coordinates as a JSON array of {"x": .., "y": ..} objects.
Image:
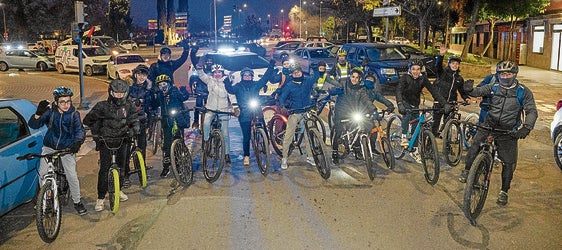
[
  {"x": 468, "y": 41},
  {"x": 422, "y": 33},
  {"x": 492, "y": 22}
]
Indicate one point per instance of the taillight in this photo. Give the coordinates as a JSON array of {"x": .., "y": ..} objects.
[{"x": 559, "y": 105}]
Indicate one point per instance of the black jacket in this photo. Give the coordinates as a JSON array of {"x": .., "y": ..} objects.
[
  {"x": 111, "y": 119},
  {"x": 410, "y": 89},
  {"x": 448, "y": 82}
]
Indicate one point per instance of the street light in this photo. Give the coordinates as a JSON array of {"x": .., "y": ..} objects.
[
  {"x": 215, "y": 5},
  {"x": 282, "y": 20}
]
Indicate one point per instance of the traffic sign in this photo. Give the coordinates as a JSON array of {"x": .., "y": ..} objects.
[{"x": 387, "y": 11}]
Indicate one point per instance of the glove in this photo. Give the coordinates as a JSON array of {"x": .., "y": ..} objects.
[
  {"x": 42, "y": 107},
  {"x": 468, "y": 85},
  {"x": 193, "y": 55},
  {"x": 401, "y": 109},
  {"x": 271, "y": 64},
  {"x": 75, "y": 147},
  {"x": 390, "y": 108},
  {"x": 522, "y": 133},
  {"x": 448, "y": 108}
]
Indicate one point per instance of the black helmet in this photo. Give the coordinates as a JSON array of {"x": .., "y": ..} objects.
[
  {"x": 415, "y": 62},
  {"x": 246, "y": 69},
  {"x": 507, "y": 66},
  {"x": 165, "y": 50},
  {"x": 141, "y": 68},
  {"x": 454, "y": 58},
  {"x": 118, "y": 86},
  {"x": 322, "y": 63},
  {"x": 62, "y": 91}
]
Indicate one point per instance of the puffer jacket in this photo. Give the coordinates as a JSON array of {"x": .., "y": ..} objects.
[
  {"x": 448, "y": 82},
  {"x": 356, "y": 99},
  {"x": 505, "y": 110},
  {"x": 218, "y": 96},
  {"x": 64, "y": 128},
  {"x": 245, "y": 91},
  {"x": 410, "y": 89},
  {"x": 112, "y": 120}
]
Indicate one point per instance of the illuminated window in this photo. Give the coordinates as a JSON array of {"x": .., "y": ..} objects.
[{"x": 538, "y": 39}]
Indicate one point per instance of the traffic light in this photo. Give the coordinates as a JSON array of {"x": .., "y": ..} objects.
[{"x": 79, "y": 11}]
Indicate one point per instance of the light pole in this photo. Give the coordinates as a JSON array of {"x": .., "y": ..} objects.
[
  {"x": 320, "y": 24},
  {"x": 300, "y": 18},
  {"x": 4, "y": 17},
  {"x": 215, "y": 5},
  {"x": 211, "y": 17},
  {"x": 282, "y": 21},
  {"x": 268, "y": 22}
]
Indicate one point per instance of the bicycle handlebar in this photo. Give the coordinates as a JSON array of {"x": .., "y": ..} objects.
[
  {"x": 491, "y": 129},
  {"x": 30, "y": 156},
  {"x": 204, "y": 110}
]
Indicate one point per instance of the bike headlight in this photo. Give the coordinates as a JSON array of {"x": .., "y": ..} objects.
[
  {"x": 254, "y": 104},
  {"x": 357, "y": 117},
  {"x": 173, "y": 112}
]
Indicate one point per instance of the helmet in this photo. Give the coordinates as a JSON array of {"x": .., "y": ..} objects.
[
  {"x": 454, "y": 58},
  {"x": 62, "y": 91},
  {"x": 342, "y": 52},
  {"x": 118, "y": 86},
  {"x": 359, "y": 70},
  {"x": 165, "y": 50},
  {"x": 415, "y": 62},
  {"x": 246, "y": 69},
  {"x": 507, "y": 66},
  {"x": 216, "y": 67},
  {"x": 322, "y": 63},
  {"x": 296, "y": 67},
  {"x": 141, "y": 68},
  {"x": 163, "y": 78}
]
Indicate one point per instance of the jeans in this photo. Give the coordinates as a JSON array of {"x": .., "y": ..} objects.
[
  {"x": 69, "y": 165},
  {"x": 209, "y": 116}
]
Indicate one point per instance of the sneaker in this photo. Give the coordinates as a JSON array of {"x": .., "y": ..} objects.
[
  {"x": 310, "y": 160},
  {"x": 165, "y": 172},
  {"x": 404, "y": 141},
  {"x": 246, "y": 160},
  {"x": 80, "y": 208},
  {"x": 126, "y": 183},
  {"x": 284, "y": 163},
  {"x": 416, "y": 156},
  {"x": 463, "y": 176},
  {"x": 502, "y": 198},
  {"x": 123, "y": 196},
  {"x": 335, "y": 157},
  {"x": 99, "y": 205}
]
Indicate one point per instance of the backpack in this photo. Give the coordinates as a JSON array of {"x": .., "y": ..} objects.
[{"x": 520, "y": 92}]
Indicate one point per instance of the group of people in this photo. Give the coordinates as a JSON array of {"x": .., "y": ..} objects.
[{"x": 128, "y": 109}]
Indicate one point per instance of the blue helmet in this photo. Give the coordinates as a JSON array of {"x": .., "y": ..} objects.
[{"x": 62, "y": 91}]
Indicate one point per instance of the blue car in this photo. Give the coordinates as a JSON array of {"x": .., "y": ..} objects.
[{"x": 18, "y": 179}]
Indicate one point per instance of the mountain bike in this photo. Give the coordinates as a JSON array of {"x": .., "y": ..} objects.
[
  {"x": 259, "y": 139},
  {"x": 213, "y": 149},
  {"x": 452, "y": 135},
  {"x": 181, "y": 160},
  {"x": 155, "y": 134},
  {"x": 53, "y": 194},
  {"x": 480, "y": 174},
  {"x": 381, "y": 145},
  {"x": 423, "y": 137}
]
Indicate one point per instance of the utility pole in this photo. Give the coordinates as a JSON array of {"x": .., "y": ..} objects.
[{"x": 80, "y": 28}]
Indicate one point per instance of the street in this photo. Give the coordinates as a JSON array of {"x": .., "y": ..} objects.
[{"x": 296, "y": 208}]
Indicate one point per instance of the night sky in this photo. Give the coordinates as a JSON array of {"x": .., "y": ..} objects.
[{"x": 142, "y": 10}]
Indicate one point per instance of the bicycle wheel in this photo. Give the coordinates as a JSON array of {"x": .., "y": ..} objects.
[
  {"x": 331, "y": 117},
  {"x": 277, "y": 126},
  {"x": 182, "y": 166},
  {"x": 213, "y": 158},
  {"x": 48, "y": 213},
  {"x": 476, "y": 189},
  {"x": 261, "y": 150},
  {"x": 317, "y": 147},
  {"x": 558, "y": 150},
  {"x": 387, "y": 153},
  {"x": 319, "y": 124},
  {"x": 430, "y": 157},
  {"x": 136, "y": 162},
  {"x": 452, "y": 142},
  {"x": 468, "y": 131},
  {"x": 368, "y": 157},
  {"x": 394, "y": 132},
  {"x": 113, "y": 189},
  {"x": 156, "y": 137}
]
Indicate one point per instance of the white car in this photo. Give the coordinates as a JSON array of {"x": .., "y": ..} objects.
[
  {"x": 556, "y": 134},
  {"x": 121, "y": 66},
  {"x": 129, "y": 45},
  {"x": 399, "y": 40}
]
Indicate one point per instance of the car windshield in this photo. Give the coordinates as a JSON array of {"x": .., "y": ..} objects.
[
  {"x": 108, "y": 42},
  {"x": 236, "y": 63},
  {"x": 129, "y": 59},
  {"x": 382, "y": 54},
  {"x": 93, "y": 52},
  {"x": 320, "y": 53}
]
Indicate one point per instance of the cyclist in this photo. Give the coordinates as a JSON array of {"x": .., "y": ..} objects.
[
  {"x": 198, "y": 87},
  {"x": 296, "y": 95},
  {"x": 504, "y": 113},
  {"x": 342, "y": 68},
  {"x": 356, "y": 98},
  {"x": 217, "y": 100},
  {"x": 489, "y": 79},
  {"x": 449, "y": 81},
  {"x": 138, "y": 92},
  {"x": 168, "y": 98},
  {"x": 165, "y": 65},
  {"x": 408, "y": 97},
  {"x": 65, "y": 130},
  {"x": 246, "y": 90},
  {"x": 112, "y": 119}
]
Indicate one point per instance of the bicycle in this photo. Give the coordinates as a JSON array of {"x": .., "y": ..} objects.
[
  {"x": 382, "y": 144},
  {"x": 259, "y": 139},
  {"x": 136, "y": 160},
  {"x": 355, "y": 140},
  {"x": 181, "y": 160},
  {"x": 213, "y": 149},
  {"x": 452, "y": 135},
  {"x": 113, "y": 181},
  {"x": 155, "y": 131},
  {"x": 469, "y": 131},
  {"x": 427, "y": 144},
  {"x": 53, "y": 194},
  {"x": 480, "y": 174}
]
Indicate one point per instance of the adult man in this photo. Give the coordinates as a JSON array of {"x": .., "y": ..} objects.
[
  {"x": 342, "y": 69},
  {"x": 509, "y": 99},
  {"x": 165, "y": 65}
]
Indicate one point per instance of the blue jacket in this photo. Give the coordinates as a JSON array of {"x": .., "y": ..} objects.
[
  {"x": 296, "y": 95},
  {"x": 245, "y": 91},
  {"x": 64, "y": 129}
]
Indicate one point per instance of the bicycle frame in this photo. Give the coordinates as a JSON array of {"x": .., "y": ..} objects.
[{"x": 421, "y": 122}]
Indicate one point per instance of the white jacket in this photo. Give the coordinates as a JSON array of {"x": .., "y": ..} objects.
[{"x": 218, "y": 97}]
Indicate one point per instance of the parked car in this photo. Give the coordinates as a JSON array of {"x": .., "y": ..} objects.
[
  {"x": 25, "y": 59},
  {"x": 413, "y": 53},
  {"x": 556, "y": 134},
  {"x": 280, "y": 43},
  {"x": 284, "y": 50},
  {"x": 399, "y": 40},
  {"x": 106, "y": 43},
  {"x": 308, "y": 56},
  {"x": 316, "y": 39},
  {"x": 94, "y": 59},
  {"x": 121, "y": 66},
  {"x": 200, "y": 42},
  {"x": 386, "y": 61},
  {"x": 19, "y": 178},
  {"x": 253, "y": 47},
  {"x": 129, "y": 45},
  {"x": 316, "y": 44}
]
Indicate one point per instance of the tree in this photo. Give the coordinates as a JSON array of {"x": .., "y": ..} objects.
[
  {"x": 475, "y": 5},
  {"x": 421, "y": 10},
  {"x": 252, "y": 28},
  {"x": 119, "y": 18}
]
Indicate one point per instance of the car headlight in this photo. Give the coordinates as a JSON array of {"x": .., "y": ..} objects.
[{"x": 388, "y": 71}]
